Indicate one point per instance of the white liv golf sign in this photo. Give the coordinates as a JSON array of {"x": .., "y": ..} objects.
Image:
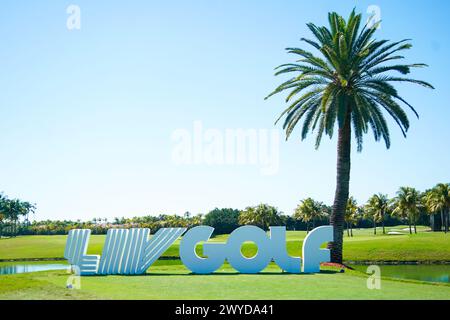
[{"x": 132, "y": 251}]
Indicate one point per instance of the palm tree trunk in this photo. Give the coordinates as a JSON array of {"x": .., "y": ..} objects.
[
  {"x": 348, "y": 231},
  {"x": 342, "y": 189},
  {"x": 409, "y": 223},
  {"x": 442, "y": 220},
  {"x": 415, "y": 227},
  {"x": 374, "y": 227},
  {"x": 437, "y": 223},
  {"x": 382, "y": 221},
  {"x": 446, "y": 221},
  {"x": 351, "y": 231}
]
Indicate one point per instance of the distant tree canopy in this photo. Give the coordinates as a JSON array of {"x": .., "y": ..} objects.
[
  {"x": 223, "y": 221},
  {"x": 11, "y": 211},
  {"x": 310, "y": 211},
  {"x": 431, "y": 207},
  {"x": 262, "y": 216}
]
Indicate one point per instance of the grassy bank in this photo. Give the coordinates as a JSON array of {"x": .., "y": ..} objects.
[{"x": 364, "y": 246}]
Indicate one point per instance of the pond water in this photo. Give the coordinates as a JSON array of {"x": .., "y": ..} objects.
[
  {"x": 428, "y": 273},
  {"x": 24, "y": 268}
]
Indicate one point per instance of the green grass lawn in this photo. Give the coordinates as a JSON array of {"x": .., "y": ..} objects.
[
  {"x": 171, "y": 280},
  {"x": 364, "y": 246}
]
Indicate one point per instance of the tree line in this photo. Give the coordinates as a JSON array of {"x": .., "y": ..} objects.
[
  {"x": 14, "y": 215},
  {"x": 409, "y": 206},
  {"x": 431, "y": 207}
]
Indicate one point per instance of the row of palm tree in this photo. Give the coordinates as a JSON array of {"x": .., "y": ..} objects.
[
  {"x": 410, "y": 202},
  {"x": 102, "y": 225},
  {"x": 408, "y": 205},
  {"x": 224, "y": 220},
  {"x": 437, "y": 202},
  {"x": 11, "y": 211}
]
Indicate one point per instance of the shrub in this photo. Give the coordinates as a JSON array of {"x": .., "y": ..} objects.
[{"x": 223, "y": 221}]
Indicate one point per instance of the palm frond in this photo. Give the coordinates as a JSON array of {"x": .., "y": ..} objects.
[{"x": 352, "y": 79}]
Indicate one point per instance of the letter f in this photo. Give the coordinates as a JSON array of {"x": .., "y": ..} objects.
[{"x": 312, "y": 254}]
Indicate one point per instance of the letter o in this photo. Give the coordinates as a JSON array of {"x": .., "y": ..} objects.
[{"x": 235, "y": 257}]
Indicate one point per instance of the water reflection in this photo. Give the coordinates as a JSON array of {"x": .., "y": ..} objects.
[
  {"x": 25, "y": 268},
  {"x": 428, "y": 273}
]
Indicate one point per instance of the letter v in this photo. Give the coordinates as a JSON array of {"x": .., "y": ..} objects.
[{"x": 157, "y": 245}]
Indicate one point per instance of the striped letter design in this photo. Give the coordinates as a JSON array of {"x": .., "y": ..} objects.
[
  {"x": 76, "y": 249},
  {"x": 126, "y": 251}
]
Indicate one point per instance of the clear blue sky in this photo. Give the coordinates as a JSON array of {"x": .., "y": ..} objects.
[{"x": 87, "y": 115}]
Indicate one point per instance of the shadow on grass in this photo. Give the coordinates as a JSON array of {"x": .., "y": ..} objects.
[{"x": 171, "y": 274}]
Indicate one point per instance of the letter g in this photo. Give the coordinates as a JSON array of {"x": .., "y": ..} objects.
[{"x": 214, "y": 251}]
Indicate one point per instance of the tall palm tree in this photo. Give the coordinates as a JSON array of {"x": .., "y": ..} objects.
[
  {"x": 26, "y": 208},
  {"x": 350, "y": 84},
  {"x": 261, "y": 215},
  {"x": 372, "y": 215},
  {"x": 309, "y": 211},
  {"x": 428, "y": 200},
  {"x": 407, "y": 205},
  {"x": 351, "y": 213},
  {"x": 14, "y": 214},
  {"x": 438, "y": 200},
  {"x": 2, "y": 220},
  {"x": 378, "y": 204},
  {"x": 3, "y": 213}
]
